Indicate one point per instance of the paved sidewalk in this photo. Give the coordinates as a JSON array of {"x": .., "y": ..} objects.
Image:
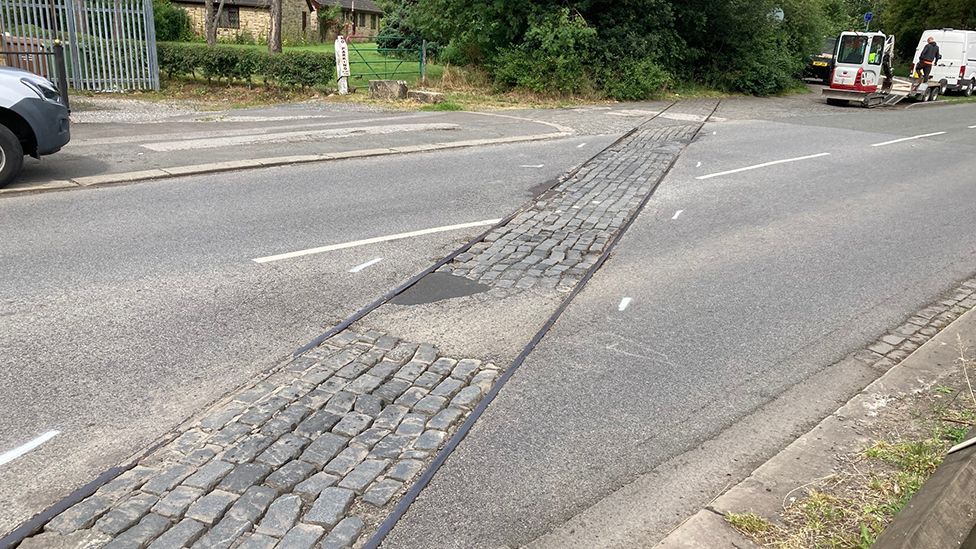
[
  {"x": 119, "y": 146},
  {"x": 321, "y": 450}
]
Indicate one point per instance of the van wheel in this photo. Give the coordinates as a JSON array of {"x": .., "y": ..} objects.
[
  {"x": 11, "y": 156},
  {"x": 968, "y": 92}
]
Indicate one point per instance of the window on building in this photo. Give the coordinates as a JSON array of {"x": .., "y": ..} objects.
[
  {"x": 362, "y": 19},
  {"x": 304, "y": 21},
  {"x": 373, "y": 21},
  {"x": 230, "y": 18}
]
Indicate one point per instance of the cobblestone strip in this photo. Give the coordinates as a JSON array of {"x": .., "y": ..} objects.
[
  {"x": 897, "y": 344},
  {"x": 552, "y": 244},
  {"x": 312, "y": 455},
  {"x": 319, "y": 452}
]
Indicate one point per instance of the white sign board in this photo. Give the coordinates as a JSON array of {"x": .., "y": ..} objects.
[{"x": 342, "y": 64}]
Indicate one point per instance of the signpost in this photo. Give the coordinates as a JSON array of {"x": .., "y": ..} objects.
[
  {"x": 342, "y": 64},
  {"x": 867, "y": 21}
]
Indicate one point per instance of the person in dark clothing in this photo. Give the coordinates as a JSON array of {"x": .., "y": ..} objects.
[{"x": 929, "y": 56}]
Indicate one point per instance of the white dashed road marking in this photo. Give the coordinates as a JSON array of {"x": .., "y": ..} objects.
[
  {"x": 624, "y": 303},
  {"x": 903, "y": 139},
  {"x": 677, "y": 214},
  {"x": 763, "y": 165},
  {"x": 376, "y": 240},
  {"x": 532, "y": 166},
  {"x": 7, "y": 457},
  {"x": 369, "y": 263}
]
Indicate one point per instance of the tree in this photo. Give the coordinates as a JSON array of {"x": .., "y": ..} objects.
[
  {"x": 274, "y": 37},
  {"x": 171, "y": 22},
  {"x": 211, "y": 20},
  {"x": 908, "y": 19}
]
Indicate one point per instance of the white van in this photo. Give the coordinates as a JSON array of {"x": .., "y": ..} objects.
[{"x": 956, "y": 71}]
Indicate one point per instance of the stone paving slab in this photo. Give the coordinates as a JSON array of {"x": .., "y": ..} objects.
[{"x": 319, "y": 452}]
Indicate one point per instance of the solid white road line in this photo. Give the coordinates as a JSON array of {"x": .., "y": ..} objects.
[
  {"x": 532, "y": 166},
  {"x": 763, "y": 165},
  {"x": 972, "y": 127},
  {"x": 7, "y": 457},
  {"x": 369, "y": 263},
  {"x": 903, "y": 139},
  {"x": 376, "y": 240},
  {"x": 624, "y": 303},
  {"x": 677, "y": 214}
]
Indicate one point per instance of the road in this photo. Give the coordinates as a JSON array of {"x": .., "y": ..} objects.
[
  {"x": 124, "y": 310},
  {"x": 786, "y": 236},
  {"x": 738, "y": 286}
]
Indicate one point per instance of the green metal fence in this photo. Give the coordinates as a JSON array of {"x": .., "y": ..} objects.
[{"x": 370, "y": 61}]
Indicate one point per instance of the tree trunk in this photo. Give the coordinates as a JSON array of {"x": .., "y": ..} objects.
[
  {"x": 210, "y": 20},
  {"x": 274, "y": 37}
]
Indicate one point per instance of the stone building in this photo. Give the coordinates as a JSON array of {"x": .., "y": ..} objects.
[
  {"x": 359, "y": 18},
  {"x": 299, "y": 19}
]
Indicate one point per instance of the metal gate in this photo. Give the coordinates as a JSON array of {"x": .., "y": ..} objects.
[{"x": 110, "y": 45}]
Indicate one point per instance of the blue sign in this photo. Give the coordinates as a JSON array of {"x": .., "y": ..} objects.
[{"x": 868, "y": 17}]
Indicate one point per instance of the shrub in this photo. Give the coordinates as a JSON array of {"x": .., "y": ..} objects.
[
  {"x": 635, "y": 79},
  {"x": 552, "y": 59},
  {"x": 172, "y": 23},
  {"x": 293, "y": 68}
]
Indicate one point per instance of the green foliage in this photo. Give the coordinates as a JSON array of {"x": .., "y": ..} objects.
[
  {"x": 235, "y": 64},
  {"x": 635, "y": 79},
  {"x": 908, "y": 19},
  {"x": 172, "y": 23},
  {"x": 330, "y": 16},
  {"x": 552, "y": 58}
]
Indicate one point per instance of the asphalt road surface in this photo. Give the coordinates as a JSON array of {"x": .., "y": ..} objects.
[
  {"x": 739, "y": 285},
  {"x": 124, "y": 310}
]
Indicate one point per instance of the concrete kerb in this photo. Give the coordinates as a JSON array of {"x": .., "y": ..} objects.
[
  {"x": 812, "y": 456},
  {"x": 232, "y": 165}
]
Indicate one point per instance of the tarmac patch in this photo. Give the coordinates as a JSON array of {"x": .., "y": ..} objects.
[{"x": 438, "y": 287}]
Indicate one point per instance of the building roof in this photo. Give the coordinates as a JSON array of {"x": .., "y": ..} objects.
[
  {"x": 242, "y": 3},
  {"x": 367, "y": 6}
]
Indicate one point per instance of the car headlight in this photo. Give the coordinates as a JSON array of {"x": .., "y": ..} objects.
[{"x": 44, "y": 91}]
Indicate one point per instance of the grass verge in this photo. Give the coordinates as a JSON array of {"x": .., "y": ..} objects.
[{"x": 850, "y": 509}]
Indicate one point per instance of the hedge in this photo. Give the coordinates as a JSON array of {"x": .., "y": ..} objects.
[{"x": 233, "y": 64}]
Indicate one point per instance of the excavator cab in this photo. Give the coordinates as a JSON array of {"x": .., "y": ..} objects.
[{"x": 863, "y": 62}]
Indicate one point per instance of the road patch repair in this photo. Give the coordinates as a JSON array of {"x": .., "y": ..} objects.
[
  {"x": 333, "y": 445},
  {"x": 843, "y": 482}
]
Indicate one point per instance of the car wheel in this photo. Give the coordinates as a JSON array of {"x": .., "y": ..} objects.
[
  {"x": 935, "y": 93},
  {"x": 11, "y": 156}
]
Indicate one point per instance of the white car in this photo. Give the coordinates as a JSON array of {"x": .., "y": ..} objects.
[
  {"x": 33, "y": 120},
  {"x": 956, "y": 71}
]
